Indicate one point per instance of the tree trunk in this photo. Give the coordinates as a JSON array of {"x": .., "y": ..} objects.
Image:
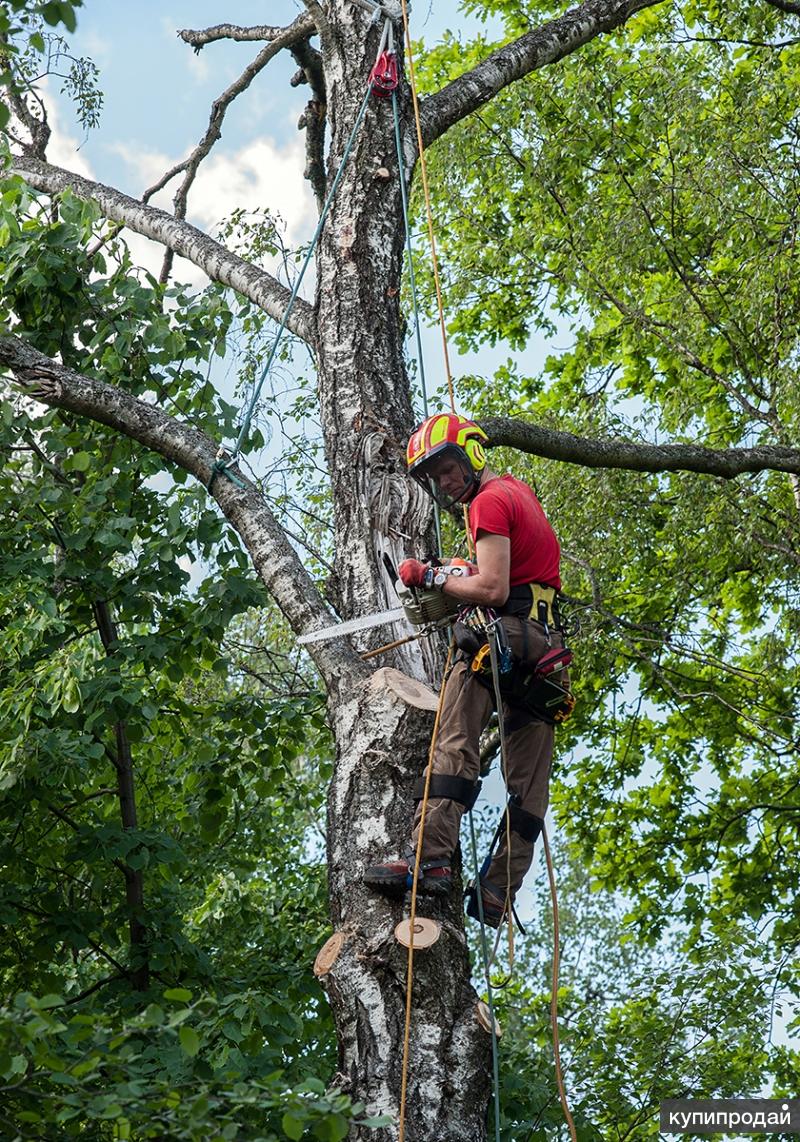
[{"x": 381, "y": 738}]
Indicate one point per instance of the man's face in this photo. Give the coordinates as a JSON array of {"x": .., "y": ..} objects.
[{"x": 448, "y": 473}]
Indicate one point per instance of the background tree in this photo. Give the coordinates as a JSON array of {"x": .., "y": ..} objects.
[{"x": 622, "y": 242}]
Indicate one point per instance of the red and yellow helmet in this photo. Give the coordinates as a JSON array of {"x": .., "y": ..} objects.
[{"x": 446, "y": 457}]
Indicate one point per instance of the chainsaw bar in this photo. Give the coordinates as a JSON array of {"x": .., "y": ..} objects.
[{"x": 353, "y": 625}]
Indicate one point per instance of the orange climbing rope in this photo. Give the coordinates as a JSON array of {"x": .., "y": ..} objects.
[{"x": 562, "y": 1094}]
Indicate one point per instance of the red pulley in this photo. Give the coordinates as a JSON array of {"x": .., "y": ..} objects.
[{"x": 384, "y": 77}]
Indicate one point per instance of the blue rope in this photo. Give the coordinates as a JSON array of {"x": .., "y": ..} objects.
[
  {"x": 413, "y": 283},
  {"x": 221, "y": 465},
  {"x": 485, "y": 953}
]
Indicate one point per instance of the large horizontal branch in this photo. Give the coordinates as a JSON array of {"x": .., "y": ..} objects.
[
  {"x": 554, "y": 445},
  {"x": 275, "y": 560},
  {"x": 219, "y": 263},
  {"x": 544, "y": 45},
  {"x": 303, "y": 26},
  {"x": 792, "y": 7}
]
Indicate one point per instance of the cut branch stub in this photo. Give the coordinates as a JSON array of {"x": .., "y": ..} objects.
[
  {"x": 408, "y": 690},
  {"x": 484, "y": 1017},
  {"x": 425, "y": 933},
  {"x": 328, "y": 954}
]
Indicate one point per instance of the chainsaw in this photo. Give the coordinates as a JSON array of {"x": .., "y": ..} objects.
[{"x": 427, "y": 609}]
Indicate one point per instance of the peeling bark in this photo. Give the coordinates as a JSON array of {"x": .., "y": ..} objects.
[{"x": 382, "y": 745}]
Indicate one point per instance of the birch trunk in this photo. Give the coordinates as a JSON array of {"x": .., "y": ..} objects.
[{"x": 382, "y": 739}]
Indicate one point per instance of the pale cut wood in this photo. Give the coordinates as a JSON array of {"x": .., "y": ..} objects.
[
  {"x": 426, "y": 932},
  {"x": 328, "y": 954},
  {"x": 485, "y": 1018},
  {"x": 409, "y": 690}
]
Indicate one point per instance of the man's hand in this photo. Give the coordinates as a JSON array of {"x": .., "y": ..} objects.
[{"x": 412, "y": 572}]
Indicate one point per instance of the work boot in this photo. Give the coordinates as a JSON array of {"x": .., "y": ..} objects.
[
  {"x": 395, "y": 878},
  {"x": 494, "y": 906}
]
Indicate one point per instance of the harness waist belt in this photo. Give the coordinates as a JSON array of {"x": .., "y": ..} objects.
[{"x": 535, "y": 601}]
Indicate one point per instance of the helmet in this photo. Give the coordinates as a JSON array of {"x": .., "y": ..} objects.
[{"x": 445, "y": 456}]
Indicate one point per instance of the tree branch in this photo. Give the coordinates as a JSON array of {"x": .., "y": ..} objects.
[
  {"x": 213, "y": 133},
  {"x": 790, "y": 6},
  {"x": 554, "y": 445},
  {"x": 309, "y": 61},
  {"x": 211, "y": 257},
  {"x": 548, "y": 44},
  {"x": 275, "y": 560},
  {"x": 302, "y": 26}
]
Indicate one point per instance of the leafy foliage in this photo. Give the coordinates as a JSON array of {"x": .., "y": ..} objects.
[
  {"x": 128, "y": 608},
  {"x": 637, "y": 207},
  {"x": 157, "y": 1075}
]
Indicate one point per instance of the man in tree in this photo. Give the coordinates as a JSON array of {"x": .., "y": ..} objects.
[{"x": 517, "y": 576}]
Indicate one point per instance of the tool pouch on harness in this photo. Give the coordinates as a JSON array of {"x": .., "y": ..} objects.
[{"x": 535, "y": 687}]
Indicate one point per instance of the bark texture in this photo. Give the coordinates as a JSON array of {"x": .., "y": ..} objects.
[
  {"x": 382, "y": 742},
  {"x": 555, "y": 445}
]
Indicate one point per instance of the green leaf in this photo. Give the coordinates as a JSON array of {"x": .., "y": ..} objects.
[
  {"x": 79, "y": 462},
  {"x": 190, "y": 1040},
  {"x": 292, "y": 1125}
]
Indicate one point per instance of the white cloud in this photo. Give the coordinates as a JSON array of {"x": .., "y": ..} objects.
[
  {"x": 262, "y": 174},
  {"x": 63, "y": 149}
]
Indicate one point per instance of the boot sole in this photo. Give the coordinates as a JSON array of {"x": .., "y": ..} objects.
[{"x": 393, "y": 886}]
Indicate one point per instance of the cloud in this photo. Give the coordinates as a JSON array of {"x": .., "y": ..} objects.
[
  {"x": 63, "y": 149},
  {"x": 259, "y": 175}
]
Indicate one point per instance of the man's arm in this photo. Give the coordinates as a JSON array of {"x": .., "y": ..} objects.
[{"x": 491, "y": 584}]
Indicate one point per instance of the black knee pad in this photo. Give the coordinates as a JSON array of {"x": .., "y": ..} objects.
[
  {"x": 524, "y": 823},
  {"x": 454, "y": 788}
]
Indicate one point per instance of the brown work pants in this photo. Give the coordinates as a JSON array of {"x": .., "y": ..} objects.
[{"x": 465, "y": 713}]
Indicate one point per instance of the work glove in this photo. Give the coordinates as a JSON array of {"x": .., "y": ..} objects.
[{"x": 412, "y": 573}]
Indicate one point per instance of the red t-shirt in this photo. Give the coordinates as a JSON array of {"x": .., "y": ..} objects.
[{"x": 506, "y": 506}]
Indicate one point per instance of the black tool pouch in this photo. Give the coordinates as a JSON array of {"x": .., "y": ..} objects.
[
  {"x": 543, "y": 697},
  {"x": 467, "y": 640}
]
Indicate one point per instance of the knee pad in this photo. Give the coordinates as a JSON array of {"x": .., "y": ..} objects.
[
  {"x": 525, "y": 824},
  {"x": 454, "y": 788}
]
